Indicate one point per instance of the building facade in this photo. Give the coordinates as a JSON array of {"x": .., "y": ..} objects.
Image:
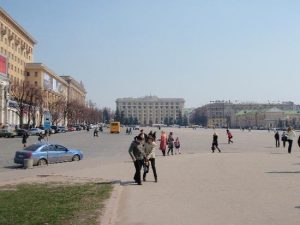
[
  {"x": 18, "y": 70},
  {"x": 75, "y": 90},
  {"x": 151, "y": 109},
  {"x": 16, "y": 45},
  {"x": 223, "y": 113}
]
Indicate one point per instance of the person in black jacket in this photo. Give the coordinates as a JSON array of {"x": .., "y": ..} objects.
[
  {"x": 276, "y": 136},
  {"x": 137, "y": 154},
  {"x": 215, "y": 144},
  {"x": 24, "y": 138}
]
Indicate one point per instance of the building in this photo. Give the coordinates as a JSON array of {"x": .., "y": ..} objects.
[
  {"x": 76, "y": 90},
  {"x": 269, "y": 118},
  {"x": 52, "y": 85},
  {"x": 16, "y": 45},
  {"x": 223, "y": 113},
  {"x": 3, "y": 90},
  {"x": 151, "y": 109}
]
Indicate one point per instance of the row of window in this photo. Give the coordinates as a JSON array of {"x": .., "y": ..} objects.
[
  {"x": 149, "y": 104},
  {"x": 12, "y": 57},
  {"x": 156, "y": 107}
]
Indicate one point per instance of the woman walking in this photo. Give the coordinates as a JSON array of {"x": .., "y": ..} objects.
[
  {"x": 163, "y": 143},
  {"x": 170, "y": 143},
  {"x": 177, "y": 146},
  {"x": 290, "y": 137},
  {"x": 149, "y": 149}
]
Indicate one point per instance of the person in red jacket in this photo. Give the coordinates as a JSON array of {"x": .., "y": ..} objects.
[{"x": 229, "y": 135}]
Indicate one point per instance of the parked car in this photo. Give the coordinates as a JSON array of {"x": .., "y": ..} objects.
[
  {"x": 70, "y": 129},
  {"x": 62, "y": 129},
  {"x": 44, "y": 153},
  {"x": 35, "y": 131},
  {"x": 7, "y": 133},
  {"x": 20, "y": 132}
]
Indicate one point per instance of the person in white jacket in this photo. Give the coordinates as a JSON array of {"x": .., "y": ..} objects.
[
  {"x": 149, "y": 150},
  {"x": 290, "y": 137}
]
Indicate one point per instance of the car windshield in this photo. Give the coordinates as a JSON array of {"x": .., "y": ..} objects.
[{"x": 33, "y": 147}]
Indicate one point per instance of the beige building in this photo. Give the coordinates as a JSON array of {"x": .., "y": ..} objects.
[
  {"x": 151, "y": 109},
  {"x": 75, "y": 91},
  {"x": 16, "y": 45},
  {"x": 269, "y": 118},
  {"x": 52, "y": 85}
]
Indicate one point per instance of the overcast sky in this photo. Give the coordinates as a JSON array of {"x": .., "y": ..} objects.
[{"x": 194, "y": 49}]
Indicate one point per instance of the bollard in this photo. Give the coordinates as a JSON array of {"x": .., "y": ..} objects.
[{"x": 28, "y": 163}]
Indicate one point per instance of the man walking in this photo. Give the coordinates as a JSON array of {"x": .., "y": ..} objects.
[
  {"x": 137, "y": 154},
  {"x": 277, "y": 139}
]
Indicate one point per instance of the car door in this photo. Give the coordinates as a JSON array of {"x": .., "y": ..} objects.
[
  {"x": 51, "y": 154},
  {"x": 61, "y": 153}
]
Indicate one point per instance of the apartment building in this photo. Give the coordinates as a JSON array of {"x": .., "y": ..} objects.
[
  {"x": 52, "y": 85},
  {"x": 151, "y": 109},
  {"x": 16, "y": 50},
  {"x": 75, "y": 90}
]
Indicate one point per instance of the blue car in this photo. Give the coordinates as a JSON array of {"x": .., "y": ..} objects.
[{"x": 44, "y": 153}]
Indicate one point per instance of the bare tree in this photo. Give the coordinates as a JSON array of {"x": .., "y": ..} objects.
[{"x": 21, "y": 93}]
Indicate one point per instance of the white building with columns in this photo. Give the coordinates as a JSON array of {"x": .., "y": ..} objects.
[{"x": 151, "y": 109}]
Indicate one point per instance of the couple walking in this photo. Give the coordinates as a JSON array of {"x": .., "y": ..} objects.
[
  {"x": 142, "y": 154},
  {"x": 164, "y": 141}
]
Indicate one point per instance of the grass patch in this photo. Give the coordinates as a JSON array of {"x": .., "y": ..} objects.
[{"x": 52, "y": 203}]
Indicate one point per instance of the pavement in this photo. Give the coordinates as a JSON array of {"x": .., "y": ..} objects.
[{"x": 250, "y": 183}]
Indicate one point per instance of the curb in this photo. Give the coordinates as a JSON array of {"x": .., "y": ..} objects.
[{"x": 110, "y": 212}]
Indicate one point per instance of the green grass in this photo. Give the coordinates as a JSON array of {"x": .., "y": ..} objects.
[{"x": 52, "y": 203}]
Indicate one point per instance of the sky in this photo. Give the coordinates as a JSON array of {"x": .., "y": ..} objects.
[{"x": 201, "y": 51}]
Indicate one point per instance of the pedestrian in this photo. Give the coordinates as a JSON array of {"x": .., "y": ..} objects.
[
  {"x": 149, "y": 149},
  {"x": 41, "y": 137},
  {"x": 96, "y": 132},
  {"x": 137, "y": 154},
  {"x": 163, "y": 143},
  {"x": 276, "y": 136},
  {"x": 127, "y": 131},
  {"x": 177, "y": 146},
  {"x": 284, "y": 138},
  {"x": 290, "y": 137},
  {"x": 170, "y": 143},
  {"x": 142, "y": 135},
  {"x": 229, "y": 136},
  {"x": 215, "y": 143},
  {"x": 24, "y": 138}
]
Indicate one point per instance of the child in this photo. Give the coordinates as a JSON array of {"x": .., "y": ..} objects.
[{"x": 177, "y": 146}]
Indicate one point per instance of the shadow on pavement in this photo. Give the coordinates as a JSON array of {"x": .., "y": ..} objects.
[
  {"x": 14, "y": 167},
  {"x": 284, "y": 172},
  {"x": 297, "y": 207},
  {"x": 122, "y": 183}
]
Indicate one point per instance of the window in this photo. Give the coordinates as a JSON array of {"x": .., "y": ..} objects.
[
  {"x": 28, "y": 74},
  {"x": 35, "y": 74}
]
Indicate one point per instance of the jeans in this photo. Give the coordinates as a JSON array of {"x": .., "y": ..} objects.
[
  {"x": 290, "y": 146},
  {"x": 138, "y": 166}
]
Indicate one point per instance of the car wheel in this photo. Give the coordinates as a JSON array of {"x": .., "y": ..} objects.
[
  {"x": 76, "y": 158},
  {"x": 42, "y": 162}
]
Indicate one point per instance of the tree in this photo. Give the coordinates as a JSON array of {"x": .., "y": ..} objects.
[
  {"x": 21, "y": 93},
  {"x": 117, "y": 116},
  {"x": 56, "y": 109}
]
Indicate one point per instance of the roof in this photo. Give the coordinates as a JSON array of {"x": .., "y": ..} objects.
[{"x": 17, "y": 25}]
